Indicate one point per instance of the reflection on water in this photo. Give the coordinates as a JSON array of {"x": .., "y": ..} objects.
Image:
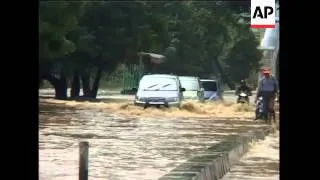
[{"x": 122, "y": 147}]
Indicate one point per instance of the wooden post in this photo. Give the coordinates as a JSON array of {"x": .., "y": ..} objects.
[{"x": 83, "y": 163}]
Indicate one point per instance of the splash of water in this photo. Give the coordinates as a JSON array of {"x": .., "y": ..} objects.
[{"x": 188, "y": 109}]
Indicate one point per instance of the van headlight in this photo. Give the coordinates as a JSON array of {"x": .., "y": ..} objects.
[
  {"x": 143, "y": 99},
  {"x": 172, "y": 99}
]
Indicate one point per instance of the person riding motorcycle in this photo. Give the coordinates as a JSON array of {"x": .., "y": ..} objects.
[
  {"x": 243, "y": 88},
  {"x": 267, "y": 89}
]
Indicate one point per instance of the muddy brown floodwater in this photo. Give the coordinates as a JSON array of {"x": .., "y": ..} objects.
[{"x": 124, "y": 146}]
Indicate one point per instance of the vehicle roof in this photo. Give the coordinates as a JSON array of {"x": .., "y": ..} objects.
[
  {"x": 160, "y": 75},
  {"x": 188, "y": 77},
  {"x": 209, "y": 80}
]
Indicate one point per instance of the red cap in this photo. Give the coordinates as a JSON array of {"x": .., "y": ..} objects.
[{"x": 266, "y": 71}]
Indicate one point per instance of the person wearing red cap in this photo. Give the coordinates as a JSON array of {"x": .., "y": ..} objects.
[{"x": 268, "y": 89}]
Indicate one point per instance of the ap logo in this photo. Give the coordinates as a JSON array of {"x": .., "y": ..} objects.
[{"x": 263, "y": 13}]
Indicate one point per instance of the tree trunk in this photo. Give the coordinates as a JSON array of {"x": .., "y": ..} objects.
[
  {"x": 62, "y": 88},
  {"x": 85, "y": 78},
  {"x": 96, "y": 83},
  {"x": 224, "y": 76},
  {"x": 75, "y": 86},
  {"x": 61, "y": 91},
  {"x": 60, "y": 85}
]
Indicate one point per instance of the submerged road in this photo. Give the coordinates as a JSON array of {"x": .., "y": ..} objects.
[{"x": 124, "y": 147}]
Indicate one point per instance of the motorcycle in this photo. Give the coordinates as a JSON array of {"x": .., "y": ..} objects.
[{"x": 243, "y": 98}]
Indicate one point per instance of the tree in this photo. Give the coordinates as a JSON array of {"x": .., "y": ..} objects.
[
  {"x": 117, "y": 32},
  {"x": 80, "y": 42},
  {"x": 56, "y": 20},
  {"x": 203, "y": 34},
  {"x": 244, "y": 60}
]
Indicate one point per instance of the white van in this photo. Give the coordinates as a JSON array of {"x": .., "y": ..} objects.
[
  {"x": 193, "y": 89},
  {"x": 159, "y": 89}
]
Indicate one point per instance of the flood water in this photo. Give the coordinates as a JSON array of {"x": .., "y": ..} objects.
[{"x": 123, "y": 147}]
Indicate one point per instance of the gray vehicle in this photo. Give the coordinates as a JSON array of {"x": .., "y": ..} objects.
[
  {"x": 159, "y": 89},
  {"x": 193, "y": 90},
  {"x": 212, "y": 89}
]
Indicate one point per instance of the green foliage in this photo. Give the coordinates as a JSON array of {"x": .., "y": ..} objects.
[
  {"x": 198, "y": 38},
  {"x": 57, "y": 19},
  {"x": 207, "y": 35},
  {"x": 244, "y": 60}
]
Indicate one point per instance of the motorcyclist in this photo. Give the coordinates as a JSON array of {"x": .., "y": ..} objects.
[
  {"x": 268, "y": 89},
  {"x": 243, "y": 88}
]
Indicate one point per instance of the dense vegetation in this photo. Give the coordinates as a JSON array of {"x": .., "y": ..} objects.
[{"x": 79, "y": 42}]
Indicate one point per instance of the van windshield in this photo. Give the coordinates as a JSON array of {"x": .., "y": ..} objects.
[
  {"x": 209, "y": 85},
  {"x": 158, "y": 84},
  {"x": 190, "y": 84}
]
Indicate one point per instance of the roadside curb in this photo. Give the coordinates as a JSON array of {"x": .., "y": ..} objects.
[{"x": 217, "y": 160}]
